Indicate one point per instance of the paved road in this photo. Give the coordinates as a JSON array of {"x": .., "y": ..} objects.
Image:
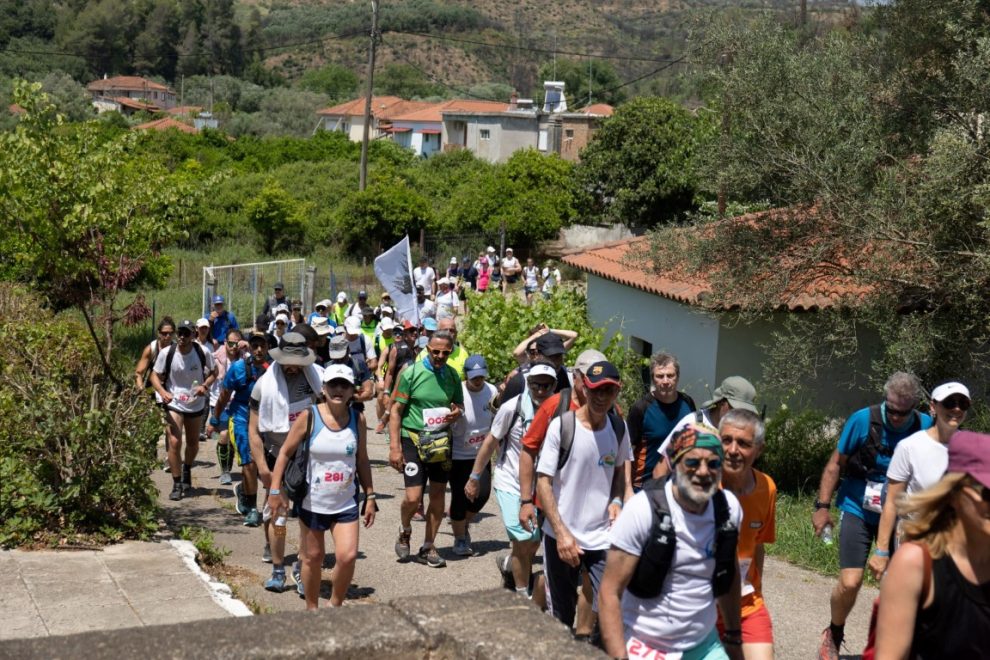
[{"x": 798, "y": 599}]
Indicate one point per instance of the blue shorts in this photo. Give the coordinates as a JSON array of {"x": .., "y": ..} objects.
[
  {"x": 321, "y": 522},
  {"x": 239, "y": 432},
  {"x": 508, "y": 504}
]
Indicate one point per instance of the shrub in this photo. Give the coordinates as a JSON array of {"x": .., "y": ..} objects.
[
  {"x": 76, "y": 453},
  {"x": 797, "y": 447}
]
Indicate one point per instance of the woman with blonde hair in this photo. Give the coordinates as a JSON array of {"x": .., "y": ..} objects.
[{"x": 935, "y": 597}]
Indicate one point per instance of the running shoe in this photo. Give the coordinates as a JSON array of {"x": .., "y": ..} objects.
[
  {"x": 242, "y": 507},
  {"x": 266, "y": 554},
  {"x": 276, "y": 582},
  {"x": 187, "y": 475},
  {"x": 252, "y": 519},
  {"x": 177, "y": 492},
  {"x": 827, "y": 649},
  {"x": 226, "y": 479},
  {"x": 402, "y": 545},
  {"x": 431, "y": 557},
  {"x": 503, "y": 561},
  {"x": 462, "y": 547},
  {"x": 297, "y": 576}
]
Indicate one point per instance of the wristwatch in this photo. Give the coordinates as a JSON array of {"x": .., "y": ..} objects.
[
  {"x": 525, "y": 501},
  {"x": 822, "y": 505}
]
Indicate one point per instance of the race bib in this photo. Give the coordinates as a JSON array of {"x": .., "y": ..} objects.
[
  {"x": 744, "y": 565},
  {"x": 871, "y": 497},
  {"x": 330, "y": 477},
  {"x": 638, "y": 649},
  {"x": 296, "y": 409},
  {"x": 435, "y": 419},
  {"x": 476, "y": 440}
]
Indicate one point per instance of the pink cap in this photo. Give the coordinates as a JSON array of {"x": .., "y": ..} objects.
[{"x": 969, "y": 452}]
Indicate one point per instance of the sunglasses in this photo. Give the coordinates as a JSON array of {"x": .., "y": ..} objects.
[
  {"x": 439, "y": 353},
  {"x": 894, "y": 412},
  {"x": 166, "y": 333},
  {"x": 339, "y": 382},
  {"x": 232, "y": 344},
  {"x": 184, "y": 333},
  {"x": 954, "y": 402},
  {"x": 536, "y": 385},
  {"x": 695, "y": 463}
]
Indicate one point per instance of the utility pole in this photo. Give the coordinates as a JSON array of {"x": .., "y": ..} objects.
[
  {"x": 725, "y": 62},
  {"x": 804, "y": 14},
  {"x": 368, "y": 89},
  {"x": 589, "y": 81}
]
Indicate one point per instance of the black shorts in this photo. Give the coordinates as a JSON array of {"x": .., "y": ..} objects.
[
  {"x": 855, "y": 538},
  {"x": 511, "y": 279},
  {"x": 186, "y": 415},
  {"x": 416, "y": 472}
]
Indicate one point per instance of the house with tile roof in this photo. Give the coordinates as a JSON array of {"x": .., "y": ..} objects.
[
  {"x": 166, "y": 124},
  {"x": 671, "y": 311},
  {"x": 129, "y": 94},
  {"x": 421, "y": 130},
  {"x": 348, "y": 118}
]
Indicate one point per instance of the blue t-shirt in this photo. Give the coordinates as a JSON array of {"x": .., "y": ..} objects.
[
  {"x": 222, "y": 325},
  {"x": 649, "y": 426},
  {"x": 236, "y": 381},
  {"x": 316, "y": 315},
  {"x": 854, "y": 435}
]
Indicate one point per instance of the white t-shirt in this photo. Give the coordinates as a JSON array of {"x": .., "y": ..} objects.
[
  {"x": 471, "y": 428},
  {"x": 919, "y": 461},
  {"x": 509, "y": 265},
  {"x": 685, "y": 612},
  {"x": 583, "y": 487},
  {"x": 510, "y": 445},
  {"x": 687, "y": 419},
  {"x": 550, "y": 279},
  {"x": 427, "y": 310},
  {"x": 446, "y": 305},
  {"x": 186, "y": 370},
  {"x": 424, "y": 277},
  {"x": 531, "y": 276},
  {"x": 332, "y": 468}
]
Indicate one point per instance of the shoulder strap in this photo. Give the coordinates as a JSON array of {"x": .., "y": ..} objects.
[
  {"x": 618, "y": 426},
  {"x": 353, "y": 424},
  {"x": 515, "y": 415},
  {"x": 657, "y": 553},
  {"x": 168, "y": 364},
  {"x": 726, "y": 540},
  {"x": 313, "y": 412},
  {"x": 688, "y": 400},
  {"x": 202, "y": 358},
  {"x": 876, "y": 425},
  {"x": 567, "y": 422},
  {"x": 564, "y": 404}
]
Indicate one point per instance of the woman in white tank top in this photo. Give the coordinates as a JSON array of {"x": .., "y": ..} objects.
[{"x": 338, "y": 463}]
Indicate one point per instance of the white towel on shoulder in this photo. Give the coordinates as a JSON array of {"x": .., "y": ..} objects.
[{"x": 273, "y": 409}]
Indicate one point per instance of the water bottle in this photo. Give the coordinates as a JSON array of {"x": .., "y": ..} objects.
[
  {"x": 192, "y": 390},
  {"x": 827, "y": 537},
  {"x": 280, "y": 526}
]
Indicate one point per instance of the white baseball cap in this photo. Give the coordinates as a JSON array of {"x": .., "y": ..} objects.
[
  {"x": 283, "y": 318},
  {"x": 453, "y": 260},
  {"x": 945, "y": 390},
  {"x": 324, "y": 303},
  {"x": 338, "y": 372},
  {"x": 541, "y": 370},
  {"x": 352, "y": 325},
  {"x": 341, "y": 297},
  {"x": 202, "y": 323},
  {"x": 491, "y": 249},
  {"x": 387, "y": 324}
]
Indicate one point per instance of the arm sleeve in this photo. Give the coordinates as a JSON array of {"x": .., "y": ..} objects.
[
  {"x": 634, "y": 422},
  {"x": 405, "y": 382},
  {"x": 900, "y": 465},
  {"x": 632, "y": 528},
  {"x": 502, "y": 418},
  {"x": 855, "y": 432},
  {"x": 551, "y": 450},
  {"x": 231, "y": 380}
]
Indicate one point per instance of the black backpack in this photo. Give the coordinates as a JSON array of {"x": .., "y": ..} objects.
[
  {"x": 658, "y": 553},
  {"x": 863, "y": 462},
  {"x": 171, "y": 354}
]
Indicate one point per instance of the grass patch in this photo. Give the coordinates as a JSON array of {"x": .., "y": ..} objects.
[{"x": 209, "y": 553}]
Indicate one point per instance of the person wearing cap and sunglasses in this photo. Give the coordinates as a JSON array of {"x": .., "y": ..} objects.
[
  {"x": 182, "y": 377},
  {"x": 321, "y": 310},
  {"x": 935, "y": 597},
  {"x": 511, "y": 421},
  {"x": 581, "y": 492},
  {"x": 222, "y": 321},
  {"x": 234, "y": 401},
  {"x": 735, "y": 392},
  {"x": 274, "y": 300},
  {"x": 288, "y": 388},
  {"x": 919, "y": 462},
  {"x": 862, "y": 457},
  {"x": 338, "y": 462},
  {"x": 677, "y": 614},
  {"x": 549, "y": 346}
]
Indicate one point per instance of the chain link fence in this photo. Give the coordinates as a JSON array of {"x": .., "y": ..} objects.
[{"x": 245, "y": 287}]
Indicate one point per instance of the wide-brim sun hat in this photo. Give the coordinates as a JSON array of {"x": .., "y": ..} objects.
[{"x": 292, "y": 351}]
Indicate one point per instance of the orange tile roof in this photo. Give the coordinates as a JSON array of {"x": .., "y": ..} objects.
[
  {"x": 621, "y": 262},
  {"x": 603, "y": 109},
  {"x": 136, "y": 83},
  {"x": 165, "y": 124},
  {"x": 434, "y": 112},
  {"x": 355, "y": 108},
  {"x": 135, "y": 104},
  {"x": 185, "y": 110}
]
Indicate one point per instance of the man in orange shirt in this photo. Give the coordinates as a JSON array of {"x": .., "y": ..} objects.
[{"x": 742, "y": 434}]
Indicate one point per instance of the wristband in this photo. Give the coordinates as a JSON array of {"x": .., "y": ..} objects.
[
  {"x": 881, "y": 553},
  {"x": 617, "y": 501},
  {"x": 822, "y": 505},
  {"x": 274, "y": 491},
  {"x": 370, "y": 496},
  {"x": 735, "y": 641},
  {"x": 475, "y": 476},
  {"x": 525, "y": 501}
]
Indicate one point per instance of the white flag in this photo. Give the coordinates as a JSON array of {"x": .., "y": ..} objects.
[{"x": 394, "y": 270}]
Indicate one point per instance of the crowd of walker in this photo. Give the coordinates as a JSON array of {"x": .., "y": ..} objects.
[{"x": 652, "y": 523}]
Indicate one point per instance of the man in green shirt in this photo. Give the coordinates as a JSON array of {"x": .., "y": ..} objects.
[{"x": 427, "y": 401}]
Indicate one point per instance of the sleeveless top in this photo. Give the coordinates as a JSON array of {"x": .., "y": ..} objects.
[
  {"x": 957, "y": 624},
  {"x": 332, "y": 466}
]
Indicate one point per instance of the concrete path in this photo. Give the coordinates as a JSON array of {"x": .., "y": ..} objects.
[{"x": 132, "y": 584}]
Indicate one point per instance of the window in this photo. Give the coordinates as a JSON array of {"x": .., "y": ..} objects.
[
  {"x": 485, "y": 134},
  {"x": 569, "y": 134},
  {"x": 541, "y": 141},
  {"x": 644, "y": 349}
]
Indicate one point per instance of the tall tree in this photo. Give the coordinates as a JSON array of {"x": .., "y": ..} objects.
[{"x": 155, "y": 48}]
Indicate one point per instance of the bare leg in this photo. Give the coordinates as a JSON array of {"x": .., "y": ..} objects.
[
  {"x": 173, "y": 438},
  {"x": 409, "y": 505},
  {"x": 312, "y": 563},
  {"x": 585, "y": 621},
  {"x": 434, "y": 511},
  {"x": 844, "y": 594},
  {"x": 345, "y": 549}
]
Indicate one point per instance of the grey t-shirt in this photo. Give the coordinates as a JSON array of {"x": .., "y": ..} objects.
[{"x": 301, "y": 396}]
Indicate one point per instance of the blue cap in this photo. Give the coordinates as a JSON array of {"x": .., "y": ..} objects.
[
  {"x": 430, "y": 324},
  {"x": 421, "y": 342},
  {"x": 475, "y": 366},
  {"x": 218, "y": 300}
]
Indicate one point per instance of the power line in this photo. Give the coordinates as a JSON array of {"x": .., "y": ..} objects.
[{"x": 434, "y": 79}]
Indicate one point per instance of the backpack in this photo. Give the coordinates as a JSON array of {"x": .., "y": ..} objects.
[
  {"x": 568, "y": 422},
  {"x": 870, "y": 652},
  {"x": 171, "y": 354},
  {"x": 863, "y": 462},
  {"x": 658, "y": 553}
]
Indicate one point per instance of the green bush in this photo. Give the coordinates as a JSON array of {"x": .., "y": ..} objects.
[
  {"x": 209, "y": 553},
  {"x": 497, "y": 324},
  {"x": 76, "y": 454},
  {"x": 797, "y": 447}
]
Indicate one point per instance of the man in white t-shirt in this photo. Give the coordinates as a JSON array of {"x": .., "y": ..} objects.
[
  {"x": 681, "y": 617},
  {"x": 551, "y": 278},
  {"x": 427, "y": 310},
  {"x": 425, "y": 276},
  {"x": 182, "y": 376},
  {"x": 583, "y": 496},
  {"x": 511, "y": 421},
  {"x": 446, "y": 300}
]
